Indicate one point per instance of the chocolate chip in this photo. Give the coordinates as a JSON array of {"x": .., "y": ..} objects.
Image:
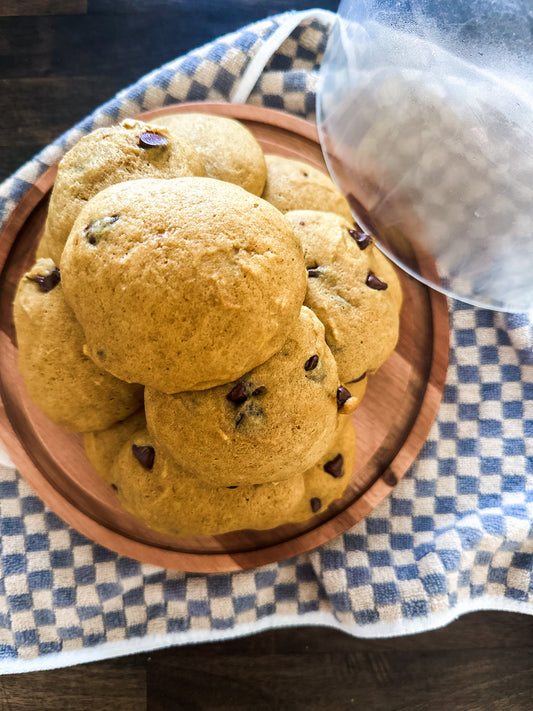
[
  {"x": 261, "y": 390},
  {"x": 46, "y": 282},
  {"x": 302, "y": 223},
  {"x": 311, "y": 363},
  {"x": 144, "y": 454},
  {"x": 362, "y": 238},
  {"x": 114, "y": 487},
  {"x": 95, "y": 228},
  {"x": 335, "y": 466},
  {"x": 238, "y": 394},
  {"x": 375, "y": 282},
  {"x": 313, "y": 272},
  {"x": 149, "y": 139},
  {"x": 343, "y": 394},
  {"x": 358, "y": 380},
  {"x": 316, "y": 504}
]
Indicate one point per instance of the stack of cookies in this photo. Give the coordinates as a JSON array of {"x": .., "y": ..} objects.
[{"x": 208, "y": 316}]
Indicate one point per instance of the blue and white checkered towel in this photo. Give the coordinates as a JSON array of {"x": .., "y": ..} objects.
[{"x": 454, "y": 536}]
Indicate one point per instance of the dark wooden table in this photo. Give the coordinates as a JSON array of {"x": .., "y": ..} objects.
[
  {"x": 58, "y": 60},
  {"x": 483, "y": 662}
]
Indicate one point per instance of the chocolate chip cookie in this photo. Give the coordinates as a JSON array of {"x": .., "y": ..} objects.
[
  {"x": 327, "y": 480},
  {"x": 103, "y": 446},
  {"x": 128, "y": 151},
  {"x": 272, "y": 423},
  {"x": 353, "y": 289},
  {"x": 152, "y": 486},
  {"x": 67, "y": 385},
  {"x": 228, "y": 149},
  {"x": 295, "y": 185},
  {"x": 182, "y": 284}
]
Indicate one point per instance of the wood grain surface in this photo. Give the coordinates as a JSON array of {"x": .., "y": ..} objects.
[
  {"x": 483, "y": 662},
  {"x": 54, "y": 69}
]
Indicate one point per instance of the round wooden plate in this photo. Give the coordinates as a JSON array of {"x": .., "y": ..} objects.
[{"x": 392, "y": 422}]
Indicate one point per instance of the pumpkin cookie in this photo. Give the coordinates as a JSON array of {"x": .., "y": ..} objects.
[
  {"x": 103, "y": 446},
  {"x": 129, "y": 151},
  {"x": 182, "y": 284},
  {"x": 294, "y": 185},
  {"x": 327, "y": 480},
  {"x": 68, "y": 387},
  {"x": 155, "y": 488},
  {"x": 274, "y": 422},
  {"x": 151, "y": 485},
  {"x": 353, "y": 289},
  {"x": 228, "y": 149}
]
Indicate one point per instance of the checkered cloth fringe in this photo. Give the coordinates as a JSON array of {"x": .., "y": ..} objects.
[{"x": 455, "y": 535}]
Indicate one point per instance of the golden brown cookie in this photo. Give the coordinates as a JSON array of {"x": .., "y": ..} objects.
[
  {"x": 272, "y": 423},
  {"x": 152, "y": 486},
  {"x": 103, "y": 446},
  {"x": 155, "y": 488},
  {"x": 228, "y": 149},
  {"x": 327, "y": 480},
  {"x": 69, "y": 388},
  {"x": 129, "y": 151},
  {"x": 295, "y": 185},
  {"x": 182, "y": 284},
  {"x": 353, "y": 289}
]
